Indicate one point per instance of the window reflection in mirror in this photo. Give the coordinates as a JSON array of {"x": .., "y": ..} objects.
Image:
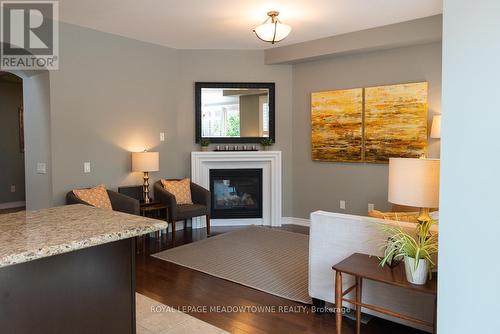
[{"x": 234, "y": 112}]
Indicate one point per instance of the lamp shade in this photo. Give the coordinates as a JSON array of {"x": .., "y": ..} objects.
[
  {"x": 145, "y": 161},
  {"x": 272, "y": 30},
  {"x": 414, "y": 182},
  {"x": 436, "y": 127}
]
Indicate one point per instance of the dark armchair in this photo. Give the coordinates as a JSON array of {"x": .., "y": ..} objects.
[
  {"x": 119, "y": 202},
  {"x": 200, "y": 207}
]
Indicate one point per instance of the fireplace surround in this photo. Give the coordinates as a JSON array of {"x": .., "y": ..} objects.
[{"x": 270, "y": 164}]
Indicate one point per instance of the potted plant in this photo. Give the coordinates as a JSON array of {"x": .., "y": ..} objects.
[
  {"x": 204, "y": 142},
  {"x": 417, "y": 249},
  {"x": 266, "y": 143}
]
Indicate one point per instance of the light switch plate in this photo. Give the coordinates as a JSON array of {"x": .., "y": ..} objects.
[
  {"x": 371, "y": 207},
  {"x": 13, "y": 188},
  {"x": 342, "y": 205},
  {"x": 86, "y": 167},
  {"x": 162, "y": 136},
  {"x": 41, "y": 168}
]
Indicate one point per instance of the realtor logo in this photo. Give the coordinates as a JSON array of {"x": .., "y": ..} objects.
[{"x": 29, "y": 35}]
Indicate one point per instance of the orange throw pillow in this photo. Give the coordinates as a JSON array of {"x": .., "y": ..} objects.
[
  {"x": 97, "y": 196},
  {"x": 180, "y": 189}
]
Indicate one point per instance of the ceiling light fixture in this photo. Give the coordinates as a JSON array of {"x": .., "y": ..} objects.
[{"x": 272, "y": 30}]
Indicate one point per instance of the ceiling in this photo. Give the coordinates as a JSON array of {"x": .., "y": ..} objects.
[{"x": 228, "y": 24}]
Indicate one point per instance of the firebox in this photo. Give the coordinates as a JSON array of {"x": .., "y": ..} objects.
[{"x": 236, "y": 193}]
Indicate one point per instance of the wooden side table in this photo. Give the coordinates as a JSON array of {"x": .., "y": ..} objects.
[
  {"x": 362, "y": 266},
  {"x": 152, "y": 210}
]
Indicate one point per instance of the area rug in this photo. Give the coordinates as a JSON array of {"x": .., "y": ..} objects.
[
  {"x": 153, "y": 317},
  {"x": 265, "y": 259}
]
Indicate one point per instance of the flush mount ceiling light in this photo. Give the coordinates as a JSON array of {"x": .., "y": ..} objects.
[{"x": 272, "y": 30}]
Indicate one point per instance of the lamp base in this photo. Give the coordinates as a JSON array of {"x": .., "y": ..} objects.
[
  {"x": 145, "y": 188},
  {"x": 423, "y": 215}
]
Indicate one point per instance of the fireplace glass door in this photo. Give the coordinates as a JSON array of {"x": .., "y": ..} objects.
[{"x": 236, "y": 193}]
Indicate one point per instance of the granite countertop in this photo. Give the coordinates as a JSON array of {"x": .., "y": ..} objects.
[{"x": 27, "y": 236}]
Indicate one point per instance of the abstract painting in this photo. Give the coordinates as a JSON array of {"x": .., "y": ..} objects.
[
  {"x": 337, "y": 125},
  {"x": 395, "y": 121}
]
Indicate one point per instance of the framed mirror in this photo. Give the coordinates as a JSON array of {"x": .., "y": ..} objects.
[{"x": 231, "y": 112}]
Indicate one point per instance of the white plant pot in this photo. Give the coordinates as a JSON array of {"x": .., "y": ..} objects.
[{"x": 419, "y": 274}]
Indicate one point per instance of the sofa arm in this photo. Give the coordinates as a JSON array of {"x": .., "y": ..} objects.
[
  {"x": 167, "y": 198},
  {"x": 123, "y": 203},
  {"x": 200, "y": 195}
]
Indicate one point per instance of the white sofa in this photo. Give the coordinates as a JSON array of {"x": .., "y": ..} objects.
[{"x": 334, "y": 237}]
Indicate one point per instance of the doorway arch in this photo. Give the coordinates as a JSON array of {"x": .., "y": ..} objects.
[{"x": 37, "y": 138}]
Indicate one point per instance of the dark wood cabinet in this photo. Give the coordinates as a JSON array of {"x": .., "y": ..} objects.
[{"x": 90, "y": 290}]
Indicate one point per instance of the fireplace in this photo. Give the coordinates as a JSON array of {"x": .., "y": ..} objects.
[{"x": 236, "y": 193}]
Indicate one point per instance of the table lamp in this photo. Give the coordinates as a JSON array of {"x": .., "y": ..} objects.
[
  {"x": 436, "y": 127},
  {"x": 414, "y": 182},
  {"x": 146, "y": 162}
]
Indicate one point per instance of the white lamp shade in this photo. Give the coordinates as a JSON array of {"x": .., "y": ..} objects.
[
  {"x": 145, "y": 161},
  {"x": 414, "y": 182},
  {"x": 436, "y": 127},
  {"x": 266, "y": 31}
]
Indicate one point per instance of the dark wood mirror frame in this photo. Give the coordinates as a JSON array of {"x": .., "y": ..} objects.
[{"x": 235, "y": 140}]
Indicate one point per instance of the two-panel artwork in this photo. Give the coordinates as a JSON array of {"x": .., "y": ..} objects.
[{"x": 369, "y": 124}]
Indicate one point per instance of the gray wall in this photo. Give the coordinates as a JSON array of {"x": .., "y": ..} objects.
[
  {"x": 11, "y": 158},
  {"x": 113, "y": 95},
  {"x": 321, "y": 185},
  {"x": 415, "y": 32},
  {"x": 244, "y": 66},
  {"x": 37, "y": 138},
  {"x": 469, "y": 224}
]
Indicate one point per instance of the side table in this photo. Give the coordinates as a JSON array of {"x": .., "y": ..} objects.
[
  {"x": 363, "y": 266},
  {"x": 152, "y": 210}
]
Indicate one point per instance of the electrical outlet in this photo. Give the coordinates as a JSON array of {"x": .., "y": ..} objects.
[
  {"x": 86, "y": 167},
  {"x": 41, "y": 168},
  {"x": 371, "y": 207},
  {"x": 13, "y": 188},
  {"x": 162, "y": 136},
  {"x": 342, "y": 205}
]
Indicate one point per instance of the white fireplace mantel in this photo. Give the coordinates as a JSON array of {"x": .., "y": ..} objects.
[{"x": 269, "y": 161}]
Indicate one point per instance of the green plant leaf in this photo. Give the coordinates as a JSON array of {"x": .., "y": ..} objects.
[{"x": 419, "y": 244}]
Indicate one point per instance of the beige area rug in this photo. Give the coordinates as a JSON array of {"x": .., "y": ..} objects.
[
  {"x": 272, "y": 261},
  {"x": 153, "y": 317}
]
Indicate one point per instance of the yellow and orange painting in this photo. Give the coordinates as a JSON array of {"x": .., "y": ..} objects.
[
  {"x": 395, "y": 121},
  {"x": 337, "y": 125}
]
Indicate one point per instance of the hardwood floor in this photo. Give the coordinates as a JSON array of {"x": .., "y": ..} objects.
[
  {"x": 3, "y": 211},
  {"x": 187, "y": 289}
]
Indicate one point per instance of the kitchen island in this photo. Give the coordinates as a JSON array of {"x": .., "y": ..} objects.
[{"x": 69, "y": 269}]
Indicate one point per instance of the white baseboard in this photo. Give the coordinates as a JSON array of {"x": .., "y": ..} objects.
[
  {"x": 242, "y": 222},
  {"x": 11, "y": 205},
  {"x": 236, "y": 222},
  {"x": 200, "y": 223},
  {"x": 296, "y": 221}
]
